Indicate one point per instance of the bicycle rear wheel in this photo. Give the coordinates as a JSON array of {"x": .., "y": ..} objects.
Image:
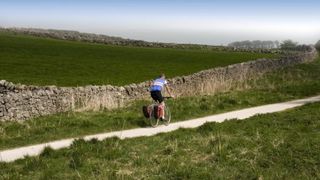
[
  {"x": 167, "y": 115},
  {"x": 153, "y": 120}
]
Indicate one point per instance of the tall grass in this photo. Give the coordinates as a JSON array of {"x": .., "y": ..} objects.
[{"x": 274, "y": 146}]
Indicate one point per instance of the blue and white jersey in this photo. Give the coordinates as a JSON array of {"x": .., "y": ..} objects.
[{"x": 158, "y": 84}]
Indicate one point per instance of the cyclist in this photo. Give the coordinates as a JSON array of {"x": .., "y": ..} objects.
[{"x": 155, "y": 88}]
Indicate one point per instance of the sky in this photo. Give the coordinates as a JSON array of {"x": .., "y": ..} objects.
[{"x": 215, "y": 22}]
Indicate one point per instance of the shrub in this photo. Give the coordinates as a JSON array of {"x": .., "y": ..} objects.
[
  {"x": 288, "y": 45},
  {"x": 318, "y": 45}
]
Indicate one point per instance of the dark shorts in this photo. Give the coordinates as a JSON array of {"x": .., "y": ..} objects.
[{"x": 157, "y": 96}]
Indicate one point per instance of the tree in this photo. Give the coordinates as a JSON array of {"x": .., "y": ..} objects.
[
  {"x": 257, "y": 44},
  {"x": 246, "y": 44},
  {"x": 318, "y": 45},
  {"x": 288, "y": 45},
  {"x": 277, "y": 44}
]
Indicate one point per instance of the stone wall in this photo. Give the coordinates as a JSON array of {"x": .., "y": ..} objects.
[{"x": 21, "y": 102}]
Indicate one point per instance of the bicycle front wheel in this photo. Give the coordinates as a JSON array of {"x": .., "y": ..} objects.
[{"x": 167, "y": 116}]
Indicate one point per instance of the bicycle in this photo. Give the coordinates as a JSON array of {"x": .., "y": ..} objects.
[{"x": 151, "y": 112}]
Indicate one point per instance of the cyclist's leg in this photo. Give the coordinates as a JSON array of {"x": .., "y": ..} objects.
[
  {"x": 162, "y": 109},
  {"x": 154, "y": 95},
  {"x": 157, "y": 96},
  {"x": 162, "y": 104}
]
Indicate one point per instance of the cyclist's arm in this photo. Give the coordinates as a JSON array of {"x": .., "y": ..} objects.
[
  {"x": 168, "y": 90},
  {"x": 150, "y": 84}
]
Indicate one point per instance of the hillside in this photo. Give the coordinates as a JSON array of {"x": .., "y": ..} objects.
[
  {"x": 42, "y": 61},
  {"x": 102, "y": 39}
]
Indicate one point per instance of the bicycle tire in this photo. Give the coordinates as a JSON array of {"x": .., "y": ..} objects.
[
  {"x": 153, "y": 120},
  {"x": 167, "y": 116}
]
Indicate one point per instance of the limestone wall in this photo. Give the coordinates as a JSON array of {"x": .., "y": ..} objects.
[{"x": 20, "y": 102}]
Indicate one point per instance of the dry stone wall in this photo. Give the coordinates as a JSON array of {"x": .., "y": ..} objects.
[{"x": 21, "y": 102}]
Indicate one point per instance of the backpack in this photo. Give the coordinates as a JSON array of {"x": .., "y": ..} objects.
[{"x": 157, "y": 111}]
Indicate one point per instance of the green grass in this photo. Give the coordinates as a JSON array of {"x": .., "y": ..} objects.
[
  {"x": 274, "y": 146},
  {"x": 291, "y": 83},
  {"x": 40, "y": 61}
]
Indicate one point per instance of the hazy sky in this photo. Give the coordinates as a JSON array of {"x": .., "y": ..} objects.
[{"x": 186, "y": 21}]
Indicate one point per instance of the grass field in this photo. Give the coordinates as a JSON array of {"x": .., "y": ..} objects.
[
  {"x": 39, "y": 61},
  {"x": 291, "y": 83},
  {"x": 274, "y": 146}
]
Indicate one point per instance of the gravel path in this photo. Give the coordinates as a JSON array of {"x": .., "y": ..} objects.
[{"x": 34, "y": 150}]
